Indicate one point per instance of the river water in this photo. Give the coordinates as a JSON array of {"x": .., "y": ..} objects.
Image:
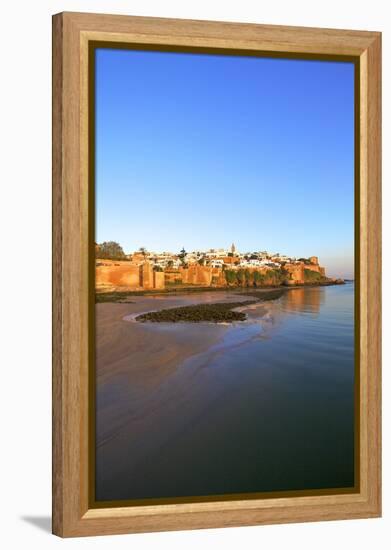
[{"x": 268, "y": 407}]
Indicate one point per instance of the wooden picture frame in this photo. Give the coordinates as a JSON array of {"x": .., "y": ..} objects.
[{"x": 73, "y": 222}]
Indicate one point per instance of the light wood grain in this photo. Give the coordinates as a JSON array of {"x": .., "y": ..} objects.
[
  {"x": 71, "y": 35},
  {"x": 373, "y": 364},
  {"x": 57, "y": 369},
  {"x": 217, "y": 34}
]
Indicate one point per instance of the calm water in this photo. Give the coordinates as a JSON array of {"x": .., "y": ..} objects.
[{"x": 270, "y": 407}]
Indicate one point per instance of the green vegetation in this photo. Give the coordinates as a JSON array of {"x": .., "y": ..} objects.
[
  {"x": 274, "y": 277},
  {"x": 312, "y": 276},
  {"x": 258, "y": 278},
  {"x": 230, "y": 276},
  {"x": 110, "y": 250},
  {"x": 182, "y": 256},
  {"x": 248, "y": 278},
  {"x": 240, "y": 277},
  {"x": 143, "y": 251}
]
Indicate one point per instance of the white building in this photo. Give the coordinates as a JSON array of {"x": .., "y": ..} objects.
[{"x": 216, "y": 263}]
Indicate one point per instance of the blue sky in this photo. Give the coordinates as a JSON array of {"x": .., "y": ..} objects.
[{"x": 202, "y": 150}]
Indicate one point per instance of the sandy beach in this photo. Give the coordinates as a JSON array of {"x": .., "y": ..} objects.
[{"x": 144, "y": 373}]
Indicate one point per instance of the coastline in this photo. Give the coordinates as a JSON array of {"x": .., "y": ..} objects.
[
  {"x": 117, "y": 294},
  {"x": 125, "y": 347}
]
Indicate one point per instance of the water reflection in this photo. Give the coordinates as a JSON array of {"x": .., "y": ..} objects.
[
  {"x": 269, "y": 406},
  {"x": 303, "y": 300}
]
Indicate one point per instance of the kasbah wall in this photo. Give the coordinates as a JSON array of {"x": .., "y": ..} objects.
[
  {"x": 114, "y": 274},
  {"x": 297, "y": 270},
  {"x": 111, "y": 274}
]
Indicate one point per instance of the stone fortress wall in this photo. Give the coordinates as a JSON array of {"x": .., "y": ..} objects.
[
  {"x": 140, "y": 274},
  {"x": 297, "y": 270}
]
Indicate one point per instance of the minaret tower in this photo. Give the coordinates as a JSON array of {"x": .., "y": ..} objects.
[{"x": 233, "y": 249}]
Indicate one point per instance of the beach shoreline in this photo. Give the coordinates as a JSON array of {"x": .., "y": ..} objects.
[
  {"x": 143, "y": 371},
  {"x": 119, "y": 294}
]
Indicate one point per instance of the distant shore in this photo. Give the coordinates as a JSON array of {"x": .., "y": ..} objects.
[{"x": 121, "y": 295}]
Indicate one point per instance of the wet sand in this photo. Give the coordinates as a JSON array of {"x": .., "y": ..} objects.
[
  {"x": 141, "y": 350},
  {"x": 145, "y": 375}
]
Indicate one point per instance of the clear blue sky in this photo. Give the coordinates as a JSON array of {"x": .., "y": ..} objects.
[{"x": 202, "y": 150}]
